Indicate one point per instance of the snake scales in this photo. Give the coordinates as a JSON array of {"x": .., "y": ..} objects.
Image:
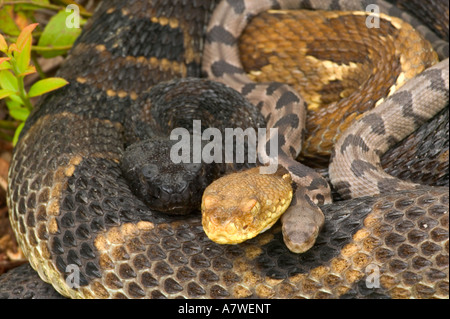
[{"x": 123, "y": 249}]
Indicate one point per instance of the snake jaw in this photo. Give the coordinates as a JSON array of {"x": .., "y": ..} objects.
[{"x": 229, "y": 224}]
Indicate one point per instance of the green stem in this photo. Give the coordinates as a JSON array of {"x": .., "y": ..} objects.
[
  {"x": 41, "y": 5},
  {"x": 21, "y": 87},
  {"x": 12, "y": 37},
  {"x": 23, "y": 94},
  {"x": 31, "y": 3},
  {"x": 37, "y": 66},
  {"x": 83, "y": 10},
  {"x": 53, "y": 48}
]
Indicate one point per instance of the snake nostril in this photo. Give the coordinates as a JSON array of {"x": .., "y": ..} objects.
[
  {"x": 176, "y": 198},
  {"x": 182, "y": 186},
  {"x": 165, "y": 193},
  {"x": 149, "y": 171},
  {"x": 155, "y": 192}
]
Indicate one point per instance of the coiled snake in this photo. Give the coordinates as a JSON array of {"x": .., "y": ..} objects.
[{"x": 71, "y": 206}]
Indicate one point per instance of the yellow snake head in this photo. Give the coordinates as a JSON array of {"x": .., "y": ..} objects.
[{"x": 241, "y": 205}]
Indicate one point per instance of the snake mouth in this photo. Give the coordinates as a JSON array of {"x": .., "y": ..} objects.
[
  {"x": 233, "y": 224},
  {"x": 233, "y": 231},
  {"x": 226, "y": 233},
  {"x": 176, "y": 210},
  {"x": 228, "y": 224},
  {"x": 174, "y": 199},
  {"x": 172, "y": 208}
]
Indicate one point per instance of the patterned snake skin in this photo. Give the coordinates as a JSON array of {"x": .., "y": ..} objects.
[
  {"x": 355, "y": 169},
  {"x": 285, "y": 110},
  {"x": 70, "y": 205}
]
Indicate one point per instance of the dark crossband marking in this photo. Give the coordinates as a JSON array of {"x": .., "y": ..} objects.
[
  {"x": 388, "y": 185},
  {"x": 291, "y": 120},
  {"x": 220, "y": 68},
  {"x": 248, "y": 88},
  {"x": 285, "y": 99},
  {"x": 273, "y": 87},
  {"x": 317, "y": 183},
  {"x": 353, "y": 140},
  {"x": 237, "y": 5},
  {"x": 376, "y": 122},
  {"x": 435, "y": 78},
  {"x": 360, "y": 167},
  {"x": 219, "y": 34}
]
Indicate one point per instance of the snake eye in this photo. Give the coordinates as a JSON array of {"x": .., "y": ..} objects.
[
  {"x": 209, "y": 202},
  {"x": 247, "y": 205}
]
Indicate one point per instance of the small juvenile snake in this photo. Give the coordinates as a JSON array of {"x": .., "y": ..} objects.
[{"x": 71, "y": 206}]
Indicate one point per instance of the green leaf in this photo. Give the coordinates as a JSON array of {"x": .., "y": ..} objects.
[
  {"x": 23, "y": 57},
  {"x": 30, "y": 5},
  {"x": 30, "y": 70},
  {"x": 16, "y": 98},
  {"x": 8, "y": 81},
  {"x": 25, "y": 6},
  {"x": 46, "y": 85},
  {"x": 25, "y": 36},
  {"x": 8, "y": 26},
  {"x": 3, "y": 44},
  {"x": 5, "y": 93},
  {"x": 13, "y": 103},
  {"x": 5, "y": 65},
  {"x": 57, "y": 33},
  {"x": 17, "y": 133},
  {"x": 19, "y": 113}
]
